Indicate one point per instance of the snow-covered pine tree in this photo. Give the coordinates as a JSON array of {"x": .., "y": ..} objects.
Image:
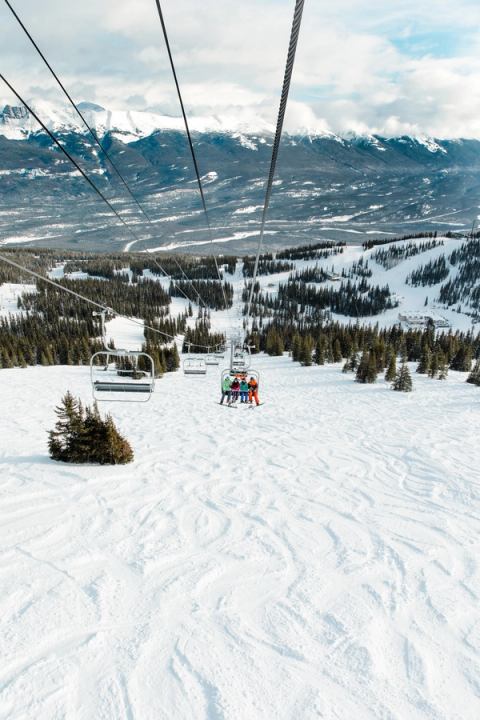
[
  {"x": 434, "y": 365},
  {"x": 320, "y": 351},
  {"x": 391, "y": 371},
  {"x": 403, "y": 381},
  {"x": 367, "y": 369},
  {"x": 442, "y": 366},
  {"x": 82, "y": 436},
  {"x": 296, "y": 347},
  {"x": 63, "y": 440},
  {"x": 474, "y": 377},
  {"x": 462, "y": 360},
  {"x": 306, "y": 351},
  {"x": 423, "y": 366}
]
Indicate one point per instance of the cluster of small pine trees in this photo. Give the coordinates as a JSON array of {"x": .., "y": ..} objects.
[
  {"x": 367, "y": 368},
  {"x": 358, "y": 269},
  {"x": 434, "y": 362},
  {"x": 29, "y": 340},
  {"x": 266, "y": 266},
  {"x": 351, "y": 299},
  {"x": 177, "y": 266},
  {"x": 165, "y": 358},
  {"x": 81, "y": 435},
  {"x": 317, "y": 251},
  {"x": 464, "y": 286},
  {"x": 211, "y": 292},
  {"x": 369, "y": 244},
  {"x": 392, "y": 256},
  {"x": 369, "y": 351},
  {"x": 430, "y": 274},
  {"x": 332, "y": 341},
  {"x": 199, "y": 338}
]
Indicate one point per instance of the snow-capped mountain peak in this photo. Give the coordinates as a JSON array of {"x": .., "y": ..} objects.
[{"x": 16, "y": 123}]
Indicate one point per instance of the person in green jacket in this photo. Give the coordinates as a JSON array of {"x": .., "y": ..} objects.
[
  {"x": 244, "y": 390},
  {"x": 226, "y": 389}
]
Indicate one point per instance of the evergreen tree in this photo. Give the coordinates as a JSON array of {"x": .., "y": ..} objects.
[
  {"x": 306, "y": 351},
  {"x": 403, "y": 381},
  {"x": 434, "y": 365},
  {"x": 337, "y": 351},
  {"x": 319, "y": 352},
  {"x": 391, "y": 372},
  {"x": 474, "y": 377},
  {"x": 425, "y": 361},
  {"x": 82, "y": 436},
  {"x": 115, "y": 449},
  {"x": 462, "y": 360},
  {"x": 442, "y": 366},
  {"x": 296, "y": 347},
  {"x": 274, "y": 343},
  {"x": 372, "y": 367},
  {"x": 367, "y": 369}
]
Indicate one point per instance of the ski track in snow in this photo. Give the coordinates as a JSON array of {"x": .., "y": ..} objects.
[{"x": 312, "y": 558}]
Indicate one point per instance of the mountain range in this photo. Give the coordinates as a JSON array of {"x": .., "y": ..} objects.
[{"x": 327, "y": 187}]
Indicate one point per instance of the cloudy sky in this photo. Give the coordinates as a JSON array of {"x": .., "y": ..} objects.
[{"x": 390, "y": 67}]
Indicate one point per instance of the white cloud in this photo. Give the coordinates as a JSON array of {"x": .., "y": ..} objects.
[{"x": 364, "y": 65}]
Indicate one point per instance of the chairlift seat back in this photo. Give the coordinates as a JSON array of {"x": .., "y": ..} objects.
[{"x": 194, "y": 366}]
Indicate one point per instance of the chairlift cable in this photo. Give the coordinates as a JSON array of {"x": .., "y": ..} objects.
[
  {"x": 89, "y": 181},
  {"x": 297, "y": 19},
  {"x": 77, "y": 110},
  {"x": 190, "y": 143},
  {"x": 95, "y": 138}
]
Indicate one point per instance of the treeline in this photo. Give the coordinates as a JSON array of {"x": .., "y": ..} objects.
[
  {"x": 111, "y": 265},
  {"x": 320, "y": 250},
  {"x": 40, "y": 261},
  {"x": 295, "y": 299},
  {"x": 358, "y": 269},
  {"x": 265, "y": 266},
  {"x": 165, "y": 357},
  {"x": 179, "y": 266},
  {"x": 29, "y": 340},
  {"x": 430, "y": 274},
  {"x": 465, "y": 286},
  {"x": 314, "y": 274},
  {"x": 200, "y": 340},
  {"x": 332, "y": 342},
  {"x": 394, "y": 255},
  {"x": 210, "y": 291},
  {"x": 100, "y": 267},
  {"x": 167, "y": 327},
  {"x": 145, "y": 299},
  {"x": 369, "y": 244}
]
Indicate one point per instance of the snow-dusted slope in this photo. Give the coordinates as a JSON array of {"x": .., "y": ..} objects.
[{"x": 313, "y": 558}]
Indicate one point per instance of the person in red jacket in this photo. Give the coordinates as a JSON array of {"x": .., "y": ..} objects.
[
  {"x": 253, "y": 391},
  {"x": 235, "y": 390}
]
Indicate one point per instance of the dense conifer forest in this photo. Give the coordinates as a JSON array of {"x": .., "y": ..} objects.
[{"x": 54, "y": 327}]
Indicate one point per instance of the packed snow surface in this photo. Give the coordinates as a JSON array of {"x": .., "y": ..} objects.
[{"x": 316, "y": 557}]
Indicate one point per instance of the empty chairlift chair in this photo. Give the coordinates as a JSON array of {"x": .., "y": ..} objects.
[
  {"x": 194, "y": 366},
  {"x": 212, "y": 359},
  {"x": 121, "y": 375}
]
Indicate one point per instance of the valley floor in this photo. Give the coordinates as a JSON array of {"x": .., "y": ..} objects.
[{"x": 316, "y": 557}]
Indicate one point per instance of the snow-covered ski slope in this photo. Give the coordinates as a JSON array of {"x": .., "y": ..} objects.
[
  {"x": 410, "y": 299},
  {"x": 313, "y": 558}
]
